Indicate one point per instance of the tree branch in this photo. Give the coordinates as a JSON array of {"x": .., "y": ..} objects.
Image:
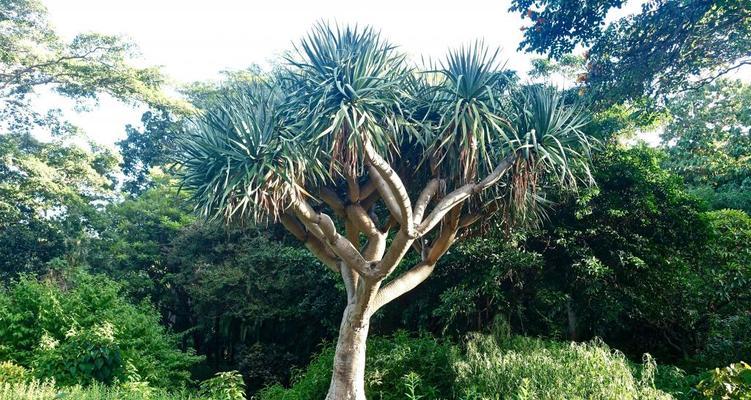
[
  {"x": 379, "y": 167},
  {"x": 338, "y": 244},
  {"x": 332, "y": 200},
  {"x": 403, "y": 284},
  {"x": 315, "y": 246},
  {"x": 430, "y": 190},
  {"x": 458, "y": 196}
]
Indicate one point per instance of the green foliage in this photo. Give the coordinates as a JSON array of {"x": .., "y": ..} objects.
[
  {"x": 134, "y": 238},
  {"x": 85, "y": 355},
  {"x": 36, "y": 390},
  {"x": 50, "y": 194},
  {"x": 13, "y": 373},
  {"x": 488, "y": 368},
  {"x": 728, "y": 341},
  {"x": 558, "y": 26},
  {"x": 224, "y": 386},
  {"x": 79, "y": 329},
  {"x": 520, "y": 367},
  {"x": 473, "y": 299},
  {"x": 289, "y": 304},
  {"x": 635, "y": 261},
  {"x": 652, "y": 53},
  {"x": 708, "y": 142},
  {"x": 731, "y": 382},
  {"x": 150, "y": 148},
  {"x": 33, "y": 56}
]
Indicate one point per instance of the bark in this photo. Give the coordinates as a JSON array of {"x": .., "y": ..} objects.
[
  {"x": 572, "y": 320},
  {"x": 348, "y": 378}
]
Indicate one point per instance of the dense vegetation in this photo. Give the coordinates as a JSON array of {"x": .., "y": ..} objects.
[{"x": 636, "y": 287}]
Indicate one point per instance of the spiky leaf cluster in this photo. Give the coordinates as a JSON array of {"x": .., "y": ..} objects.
[
  {"x": 341, "y": 88},
  {"x": 242, "y": 159},
  {"x": 346, "y": 87}
]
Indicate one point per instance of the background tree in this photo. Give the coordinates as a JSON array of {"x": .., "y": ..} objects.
[
  {"x": 708, "y": 142},
  {"x": 51, "y": 195},
  {"x": 349, "y": 124},
  {"x": 669, "y": 46},
  {"x": 34, "y": 58}
]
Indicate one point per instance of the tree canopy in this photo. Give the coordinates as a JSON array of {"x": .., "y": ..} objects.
[{"x": 668, "y": 46}]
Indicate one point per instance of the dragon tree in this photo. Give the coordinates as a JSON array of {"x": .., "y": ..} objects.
[{"x": 364, "y": 157}]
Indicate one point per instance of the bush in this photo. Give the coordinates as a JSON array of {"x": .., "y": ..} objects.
[
  {"x": 513, "y": 368},
  {"x": 224, "y": 386},
  {"x": 13, "y": 373},
  {"x": 731, "y": 382},
  {"x": 79, "y": 329},
  {"x": 37, "y": 390},
  {"x": 85, "y": 355},
  {"x": 729, "y": 341},
  {"x": 525, "y": 368}
]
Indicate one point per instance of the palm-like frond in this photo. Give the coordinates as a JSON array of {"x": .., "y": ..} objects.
[
  {"x": 467, "y": 106},
  {"x": 347, "y": 88},
  {"x": 261, "y": 145},
  {"x": 552, "y": 150},
  {"x": 548, "y": 134},
  {"x": 241, "y": 160}
]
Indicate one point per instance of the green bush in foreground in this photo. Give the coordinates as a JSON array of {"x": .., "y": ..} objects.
[
  {"x": 224, "y": 386},
  {"x": 525, "y": 368},
  {"x": 36, "y": 390},
  {"x": 489, "y": 368},
  {"x": 79, "y": 329}
]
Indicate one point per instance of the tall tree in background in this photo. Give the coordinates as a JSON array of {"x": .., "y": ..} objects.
[
  {"x": 671, "y": 45},
  {"x": 34, "y": 58},
  {"x": 50, "y": 198},
  {"x": 347, "y": 131},
  {"x": 708, "y": 140}
]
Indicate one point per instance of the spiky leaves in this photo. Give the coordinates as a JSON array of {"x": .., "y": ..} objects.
[
  {"x": 468, "y": 133},
  {"x": 242, "y": 160},
  {"x": 551, "y": 148},
  {"x": 348, "y": 85}
]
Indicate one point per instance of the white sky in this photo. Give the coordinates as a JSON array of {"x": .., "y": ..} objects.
[{"x": 195, "y": 39}]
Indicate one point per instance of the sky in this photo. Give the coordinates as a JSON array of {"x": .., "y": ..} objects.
[{"x": 195, "y": 40}]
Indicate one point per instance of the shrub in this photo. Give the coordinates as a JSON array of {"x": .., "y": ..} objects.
[
  {"x": 79, "y": 329},
  {"x": 729, "y": 341},
  {"x": 731, "y": 382},
  {"x": 85, "y": 355},
  {"x": 13, "y": 373},
  {"x": 224, "y": 386},
  {"x": 37, "y": 390},
  {"x": 513, "y": 368},
  {"x": 526, "y": 368}
]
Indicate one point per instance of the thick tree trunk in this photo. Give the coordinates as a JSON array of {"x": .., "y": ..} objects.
[{"x": 348, "y": 378}]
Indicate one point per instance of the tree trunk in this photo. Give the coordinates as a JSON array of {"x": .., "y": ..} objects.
[{"x": 348, "y": 378}]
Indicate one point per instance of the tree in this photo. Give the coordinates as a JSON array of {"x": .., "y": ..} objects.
[
  {"x": 50, "y": 195},
  {"x": 154, "y": 145},
  {"x": 671, "y": 45},
  {"x": 144, "y": 150},
  {"x": 708, "y": 141},
  {"x": 347, "y": 130},
  {"x": 33, "y": 57}
]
